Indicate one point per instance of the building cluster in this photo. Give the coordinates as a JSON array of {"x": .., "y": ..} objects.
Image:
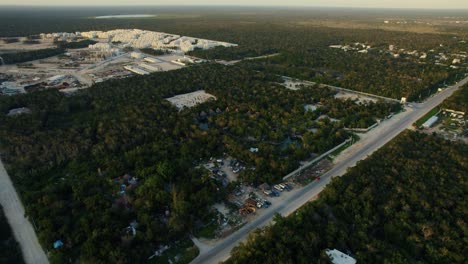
[
  {"x": 104, "y": 49},
  {"x": 137, "y": 38},
  {"x": 60, "y": 35},
  {"x": 359, "y": 47},
  {"x": 440, "y": 58}
]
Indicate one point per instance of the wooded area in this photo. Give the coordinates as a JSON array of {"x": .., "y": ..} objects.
[
  {"x": 403, "y": 204},
  {"x": 458, "y": 101},
  {"x": 25, "y": 56},
  {"x": 9, "y": 249},
  {"x": 68, "y": 157},
  {"x": 75, "y": 44}
]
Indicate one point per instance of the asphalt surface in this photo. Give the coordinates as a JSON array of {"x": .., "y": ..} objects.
[
  {"x": 379, "y": 137},
  {"x": 21, "y": 227}
]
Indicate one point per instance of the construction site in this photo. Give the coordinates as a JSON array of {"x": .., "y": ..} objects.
[{"x": 114, "y": 54}]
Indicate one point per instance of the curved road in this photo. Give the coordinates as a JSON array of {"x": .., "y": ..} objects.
[{"x": 385, "y": 132}]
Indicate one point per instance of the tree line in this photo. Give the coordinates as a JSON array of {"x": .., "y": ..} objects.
[{"x": 25, "y": 56}]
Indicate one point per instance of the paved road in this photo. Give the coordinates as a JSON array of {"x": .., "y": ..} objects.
[
  {"x": 380, "y": 136},
  {"x": 22, "y": 228}
]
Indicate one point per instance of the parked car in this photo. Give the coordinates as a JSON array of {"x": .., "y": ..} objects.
[
  {"x": 275, "y": 193},
  {"x": 278, "y": 188}
]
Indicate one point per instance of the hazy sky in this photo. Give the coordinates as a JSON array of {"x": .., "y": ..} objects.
[{"x": 452, "y": 4}]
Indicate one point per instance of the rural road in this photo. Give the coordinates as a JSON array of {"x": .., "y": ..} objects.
[
  {"x": 377, "y": 138},
  {"x": 21, "y": 227}
]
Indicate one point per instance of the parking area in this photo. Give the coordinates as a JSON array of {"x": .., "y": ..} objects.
[{"x": 246, "y": 202}]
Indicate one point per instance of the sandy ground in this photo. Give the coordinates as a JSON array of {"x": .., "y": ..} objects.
[
  {"x": 360, "y": 98},
  {"x": 22, "y": 228}
]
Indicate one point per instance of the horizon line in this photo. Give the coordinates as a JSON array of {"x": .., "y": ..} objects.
[{"x": 247, "y": 6}]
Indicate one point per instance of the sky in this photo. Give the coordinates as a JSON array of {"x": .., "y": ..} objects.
[{"x": 432, "y": 4}]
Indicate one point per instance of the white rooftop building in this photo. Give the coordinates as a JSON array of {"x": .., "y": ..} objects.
[
  {"x": 136, "y": 70},
  {"x": 338, "y": 257},
  {"x": 430, "y": 122},
  {"x": 150, "y": 68},
  {"x": 19, "y": 111}
]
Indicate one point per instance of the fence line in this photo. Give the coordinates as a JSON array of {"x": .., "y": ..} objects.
[
  {"x": 364, "y": 130},
  {"x": 312, "y": 162}
]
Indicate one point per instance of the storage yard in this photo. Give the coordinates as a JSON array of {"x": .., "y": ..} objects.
[
  {"x": 115, "y": 54},
  {"x": 449, "y": 124}
]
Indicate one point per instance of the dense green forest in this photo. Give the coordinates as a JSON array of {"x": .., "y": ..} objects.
[
  {"x": 89, "y": 164},
  {"x": 153, "y": 52},
  {"x": 9, "y": 249},
  {"x": 75, "y": 45},
  {"x": 458, "y": 101},
  {"x": 25, "y": 56},
  {"x": 69, "y": 156},
  {"x": 404, "y": 204}
]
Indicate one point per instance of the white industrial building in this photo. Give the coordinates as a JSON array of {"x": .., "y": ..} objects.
[
  {"x": 150, "y": 68},
  {"x": 152, "y": 60},
  {"x": 136, "y": 70},
  {"x": 179, "y": 62},
  {"x": 338, "y": 257},
  {"x": 19, "y": 111},
  {"x": 430, "y": 122}
]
